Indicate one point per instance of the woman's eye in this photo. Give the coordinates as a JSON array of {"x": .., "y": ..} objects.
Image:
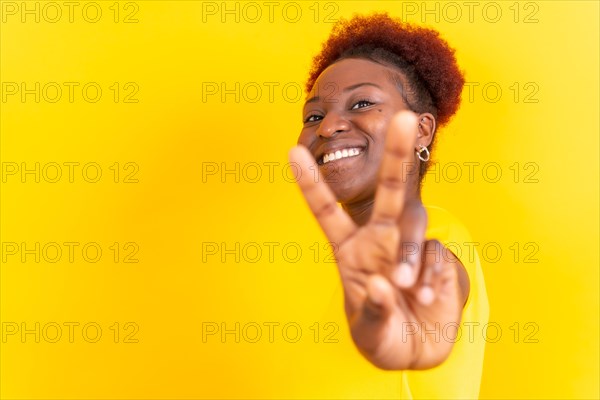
[
  {"x": 312, "y": 118},
  {"x": 361, "y": 104}
]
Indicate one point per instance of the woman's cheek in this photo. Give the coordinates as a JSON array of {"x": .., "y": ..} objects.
[{"x": 305, "y": 137}]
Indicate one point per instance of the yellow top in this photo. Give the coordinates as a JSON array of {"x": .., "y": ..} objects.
[
  {"x": 348, "y": 375},
  {"x": 459, "y": 376}
]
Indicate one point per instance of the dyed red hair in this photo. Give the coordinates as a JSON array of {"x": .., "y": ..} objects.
[{"x": 432, "y": 81}]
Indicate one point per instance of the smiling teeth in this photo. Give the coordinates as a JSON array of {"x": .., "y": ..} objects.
[{"x": 340, "y": 154}]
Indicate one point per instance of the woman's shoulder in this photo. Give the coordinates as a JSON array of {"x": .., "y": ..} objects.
[
  {"x": 454, "y": 235},
  {"x": 443, "y": 224}
]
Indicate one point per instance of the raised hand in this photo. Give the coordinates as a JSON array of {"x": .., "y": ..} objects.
[{"x": 398, "y": 288}]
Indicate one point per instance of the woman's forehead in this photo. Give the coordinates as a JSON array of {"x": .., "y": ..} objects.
[{"x": 348, "y": 73}]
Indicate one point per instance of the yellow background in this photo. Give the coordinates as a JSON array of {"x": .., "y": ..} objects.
[{"x": 172, "y": 133}]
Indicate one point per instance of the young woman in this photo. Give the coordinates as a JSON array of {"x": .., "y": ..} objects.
[{"x": 378, "y": 92}]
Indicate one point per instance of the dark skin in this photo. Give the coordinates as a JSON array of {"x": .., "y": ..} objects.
[{"x": 361, "y": 137}]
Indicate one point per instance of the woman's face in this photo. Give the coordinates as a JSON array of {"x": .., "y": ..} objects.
[{"x": 346, "y": 117}]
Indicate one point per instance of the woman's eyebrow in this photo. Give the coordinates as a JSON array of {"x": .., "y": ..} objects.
[
  {"x": 345, "y": 90},
  {"x": 350, "y": 88},
  {"x": 312, "y": 100}
]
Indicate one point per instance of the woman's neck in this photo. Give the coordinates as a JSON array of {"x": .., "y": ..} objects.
[{"x": 360, "y": 211}]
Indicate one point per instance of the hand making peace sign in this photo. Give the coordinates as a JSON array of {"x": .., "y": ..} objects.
[{"x": 397, "y": 286}]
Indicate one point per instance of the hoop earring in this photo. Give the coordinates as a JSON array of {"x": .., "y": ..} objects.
[{"x": 422, "y": 149}]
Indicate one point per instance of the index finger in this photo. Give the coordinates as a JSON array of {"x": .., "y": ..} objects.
[
  {"x": 337, "y": 225},
  {"x": 398, "y": 162}
]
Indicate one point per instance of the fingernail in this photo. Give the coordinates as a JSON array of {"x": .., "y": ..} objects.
[
  {"x": 375, "y": 292},
  {"x": 403, "y": 275},
  {"x": 375, "y": 297},
  {"x": 426, "y": 295}
]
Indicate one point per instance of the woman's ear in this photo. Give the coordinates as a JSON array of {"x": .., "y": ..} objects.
[{"x": 427, "y": 127}]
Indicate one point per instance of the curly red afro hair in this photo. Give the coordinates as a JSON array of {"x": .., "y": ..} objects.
[{"x": 432, "y": 81}]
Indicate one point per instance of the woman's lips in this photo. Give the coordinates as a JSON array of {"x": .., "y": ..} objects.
[{"x": 340, "y": 155}]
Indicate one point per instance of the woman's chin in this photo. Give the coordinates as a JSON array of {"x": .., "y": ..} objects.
[
  {"x": 351, "y": 192},
  {"x": 350, "y": 179}
]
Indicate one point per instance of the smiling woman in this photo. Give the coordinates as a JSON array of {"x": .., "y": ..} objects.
[{"x": 376, "y": 94}]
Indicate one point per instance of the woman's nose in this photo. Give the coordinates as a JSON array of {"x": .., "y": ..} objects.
[{"x": 332, "y": 124}]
